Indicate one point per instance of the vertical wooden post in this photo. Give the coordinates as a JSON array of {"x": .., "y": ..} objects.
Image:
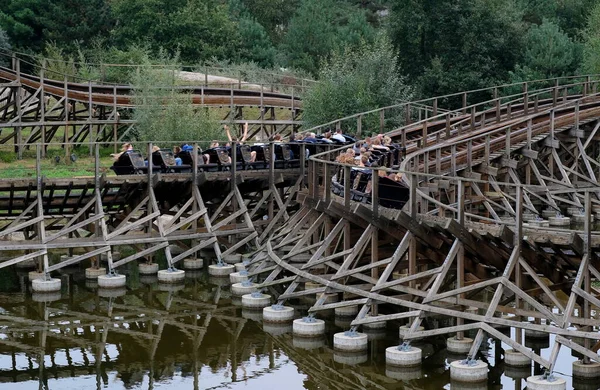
[
  {"x": 272, "y": 179},
  {"x": 497, "y": 103},
  {"x": 90, "y": 114},
  {"x": 115, "y": 119},
  {"x": 375, "y": 193},
  {"x": 460, "y": 256},
  {"x": 347, "y": 186},
  {"x": 448, "y": 125},
  {"x": 464, "y": 103},
  {"x": 587, "y": 285},
  {"x": 424, "y": 144},
  {"x": 67, "y": 118},
  {"x": 517, "y": 244},
  {"x": 359, "y": 126},
  {"x": 18, "y": 146},
  {"x": 435, "y": 107},
  {"x": 43, "y": 107},
  {"x": 525, "y": 98},
  {"x": 326, "y": 182}
]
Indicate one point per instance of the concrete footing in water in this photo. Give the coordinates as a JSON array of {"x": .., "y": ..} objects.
[
  {"x": 403, "y": 357},
  {"x": 220, "y": 269},
  {"x": 516, "y": 359},
  {"x": 192, "y": 264},
  {"x": 538, "y": 382},
  {"x": 231, "y": 259},
  {"x": 462, "y": 371},
  {"x": 240, "y": 289},
  {"x": 93, "y": 273},
  {"x": 459, "y": 346},
  {"x": 45, "y": 286},
  {"x": 239, "y": 267},
  {"x": 256, "y": 300},
  {"x": 373, "y": 325},
  {"x": 111, "y": 281},
  {"x": 590, "y": 370},
  {"x": 238, "y": 277},
  {"x": 403, "y": 330},
  {"x": 148, "y": 269},
  {"x": 350, "y": 341},
  {"x": 278, "y": 313},
  {"x": 171, "y": 276},
  {"x": 346, "y": 311},
  {"x": 33, "y": 275},
  {"x": 308, "y": 328}
]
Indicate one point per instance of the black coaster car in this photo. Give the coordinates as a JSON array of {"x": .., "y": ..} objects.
[
  {"x": 166, "y": 161},
  {"x": 130, "y": 163}
]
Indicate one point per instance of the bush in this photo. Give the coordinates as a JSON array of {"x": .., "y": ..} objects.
[
  {"x": 163, "y": 113},
  {"x": 357, "y": 80}
]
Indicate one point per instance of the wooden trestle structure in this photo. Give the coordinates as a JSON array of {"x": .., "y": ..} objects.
[
  {"x": 466, "y": 247},
  {"x": 462, "y": 248},
  {"x": 38, "y": 108}
]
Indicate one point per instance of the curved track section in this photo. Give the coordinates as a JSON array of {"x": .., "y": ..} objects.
[
  {"x": 470, "y": 249},
  {"x": 37, "y": 109}
]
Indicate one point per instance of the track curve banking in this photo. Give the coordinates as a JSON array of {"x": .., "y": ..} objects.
[
  {"x": 121, "y": 95},
  {"x": 472, "y": 250}
]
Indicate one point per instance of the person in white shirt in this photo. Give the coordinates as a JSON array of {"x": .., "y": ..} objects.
[{"x": 338, "y": 136}]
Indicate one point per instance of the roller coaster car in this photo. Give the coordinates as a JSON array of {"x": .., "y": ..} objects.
[
  {"x": 130, "y": 163},
  {"x": 186, "y": 159},
  {"x": 220, "y": 157},
  {"x": 284, "y": 157},
  {"x": 166, "y": 161},
  {"x": 244, "y": 154},
  {"x": 392, "y": 194},
  {"x": 263, "y": 155}
]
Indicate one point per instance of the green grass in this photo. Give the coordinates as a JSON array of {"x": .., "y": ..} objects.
[{"x": 84, "y": 165}]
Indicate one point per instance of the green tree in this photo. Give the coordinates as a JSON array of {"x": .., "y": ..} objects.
[
  {"x": 357, "y": 79},
  {"x": 255, "y": 43},
  {"x": 23, "y": 22},
  {"x": 320, "y": 26},
  {"x": 5, "y": 47},
  {"x": 549, "y": 52},
  {"x": 570, "y": 15},
  {"x": 164, "y": 113},
  {"x": 591, "y": 50},
  {"x": 198, "y": 29},
  {"x": 273, "y": 15},
  {"x": 32, "y": 23},
  {"x": 453, "y": 45}
]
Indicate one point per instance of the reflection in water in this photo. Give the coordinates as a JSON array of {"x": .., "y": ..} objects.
[{"x": 190, "y": 336}]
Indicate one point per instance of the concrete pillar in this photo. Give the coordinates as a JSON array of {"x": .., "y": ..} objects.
[
  {"x": 350, "y": 341},
  {"x": 459, "y": 346},
  {"x": 516, "y": 359},
  {"x": 463, "y": 371},
  {"x": 148, "y": 269},
  {"x": 256, "y": 301},
  {"x": 403, "y": 356},
  {"x": 240, "y": 289},
  {"x": 220, "y": 269},
  {"x": 590, "y": 370},
  {"x": 93, "y": 273},
  {"x": 193, "y": 264},
  {"x": 308, "y": 327},
  {"x": 278, "y": 313},
  {"x": 111, "y": 281},
  {"x": 171, "y": 276},
  {"x": 537, "y": 382}
]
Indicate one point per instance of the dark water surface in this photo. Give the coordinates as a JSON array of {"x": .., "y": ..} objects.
[{"x": 197, "y": 336}]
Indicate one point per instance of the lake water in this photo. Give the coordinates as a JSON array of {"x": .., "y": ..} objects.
[{"x": 197, "y": 336}]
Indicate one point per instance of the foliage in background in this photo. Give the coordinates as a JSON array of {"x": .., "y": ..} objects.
[
  {"x": 357, "y": 79},
  {"x": 457, "y": 45},
  {"x": 549, "y": 52},
  {"x": 163, "y": 113},
  {"x": 197, "y": 29},
  {"x": 591, "y": 50},
  {"x": 318, "y": 28},
  {"x": 5, "y": 46}
]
